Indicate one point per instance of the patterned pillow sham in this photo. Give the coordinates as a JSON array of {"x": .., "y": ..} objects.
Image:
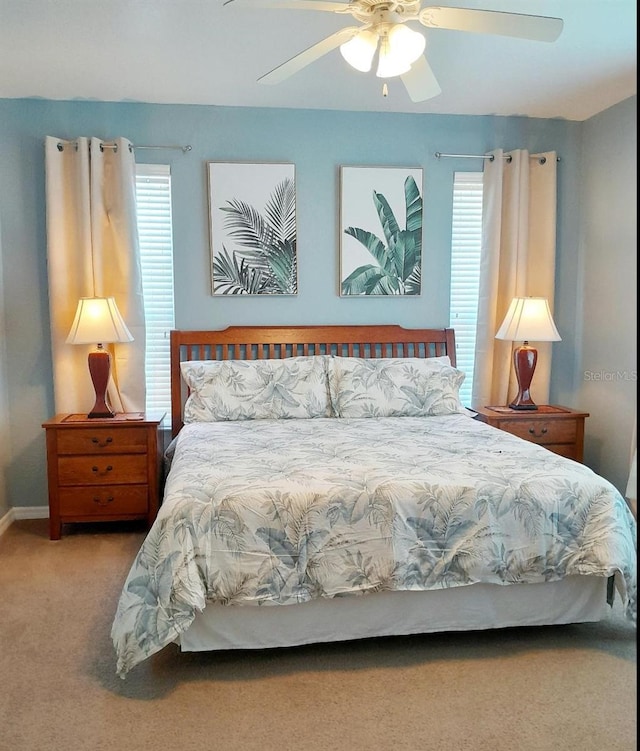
[
  {"x": 394, "y": 387},
  {"x": 291, "y": 387}
]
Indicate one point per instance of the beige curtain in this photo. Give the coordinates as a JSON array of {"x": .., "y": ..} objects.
[
  {"x": 92, "y": 250},
  {"x": 518, "y": 260}
]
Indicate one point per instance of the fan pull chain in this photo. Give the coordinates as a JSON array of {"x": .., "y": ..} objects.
[{"x": 385, "y": 90}]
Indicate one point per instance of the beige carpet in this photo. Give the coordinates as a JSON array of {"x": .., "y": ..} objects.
[{"x": 561, "y": 688}]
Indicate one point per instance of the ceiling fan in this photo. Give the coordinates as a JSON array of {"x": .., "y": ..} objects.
[{"x": 400, "y": 48}]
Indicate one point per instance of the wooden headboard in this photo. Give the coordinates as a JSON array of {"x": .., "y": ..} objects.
[{"x": 271, "y": 342}]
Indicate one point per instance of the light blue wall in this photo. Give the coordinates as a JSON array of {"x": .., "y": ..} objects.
[
  {"x": 317, "y": 142},
  {"x": 607, "y": 367},
  {"x": 5, "y": 444}
]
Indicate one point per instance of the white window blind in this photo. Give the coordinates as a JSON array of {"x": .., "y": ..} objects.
[
  {"x": 466, "y": 241},
  {"x": 155, "y": 232}
]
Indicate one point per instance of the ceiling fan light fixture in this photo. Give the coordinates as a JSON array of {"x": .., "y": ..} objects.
[
  {"x": 406, "y": 43},
  {"x": 391, "y": 61},
  {"x": 359, "y": 50}
]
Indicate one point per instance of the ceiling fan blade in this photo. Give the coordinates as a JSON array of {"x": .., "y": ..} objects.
[
  {"x": 294, "y": 4},
  {"x": 420, "y": 81},
  {"x": 310, "y": 55},
  {"x": 538, "y": 28}
]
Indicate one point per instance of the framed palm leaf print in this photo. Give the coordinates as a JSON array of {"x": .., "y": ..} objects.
[
  {"x": 252, "y": 224},
  {"x": 380, "y": 231}
]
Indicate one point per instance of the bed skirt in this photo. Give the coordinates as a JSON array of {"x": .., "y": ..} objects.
[{"x": 576, "y": 599}]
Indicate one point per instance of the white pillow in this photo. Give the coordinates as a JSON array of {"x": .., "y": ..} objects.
[
  {"x": 394, "y": 387},
  {"x": 291, "y": 387}
]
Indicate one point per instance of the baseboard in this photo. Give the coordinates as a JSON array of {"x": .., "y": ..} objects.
[
  {"x": 31, "y": 512},
  {"x": 6, "y": 521},
  {"x": 22, "y": 512}
]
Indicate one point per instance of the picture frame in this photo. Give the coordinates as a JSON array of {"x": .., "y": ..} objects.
[
  {"x": 252, "y": 228},
  {"x": 381, "y": 213}
]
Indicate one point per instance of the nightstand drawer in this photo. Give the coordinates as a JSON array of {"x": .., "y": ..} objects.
[
  {"x": 564, "y": 449},
  {"x": 97, "y": 470},
  {"x": 102, "y": 441},
  {"x": 104, "y": 500},
  {"x": 542, "y": 431}
]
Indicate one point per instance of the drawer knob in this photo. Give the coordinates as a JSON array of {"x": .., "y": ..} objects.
[
  {"x": 532, "y": 431},
  {"x": 96, "y": 470},
  {"x": 106, "y": 442},
  {"x": 103, "y": 501}
]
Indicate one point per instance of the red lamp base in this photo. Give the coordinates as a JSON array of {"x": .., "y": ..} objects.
[
  {"x": 100, "y": 368},
  {"x": 524, "y": 362}
]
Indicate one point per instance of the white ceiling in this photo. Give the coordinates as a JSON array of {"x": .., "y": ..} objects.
[{"x": 203, "y": 52}]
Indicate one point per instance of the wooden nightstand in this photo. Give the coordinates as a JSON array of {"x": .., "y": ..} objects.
[
  {"x": 103, "y": 469},
  {"x": 558, "y": 429}
]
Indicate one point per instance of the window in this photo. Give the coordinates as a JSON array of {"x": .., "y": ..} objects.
[
  {"x": 153, "y": 200},
  {"x": 466, "y": 240}
]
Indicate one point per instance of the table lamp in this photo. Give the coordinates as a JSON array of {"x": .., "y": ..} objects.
[
  {"x": 528, "y": 319},
  {"x": 98, "y": 321}
]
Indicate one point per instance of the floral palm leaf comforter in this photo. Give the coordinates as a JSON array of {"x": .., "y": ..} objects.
[{"x": 277, "y": 512}]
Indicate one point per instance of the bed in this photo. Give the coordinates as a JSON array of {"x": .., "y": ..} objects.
[{"x": 325, "y": 483}]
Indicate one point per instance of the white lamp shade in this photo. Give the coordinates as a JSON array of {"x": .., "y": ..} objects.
[
  {"x": 529, "y": 319},
  {"x": 359, "y": 51},
  {"x": 390, "y": 65},
  {"x": 98, "y": 321},
  {"x": 406, "y": 43},
  {"x": 398, "y": 50}
]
